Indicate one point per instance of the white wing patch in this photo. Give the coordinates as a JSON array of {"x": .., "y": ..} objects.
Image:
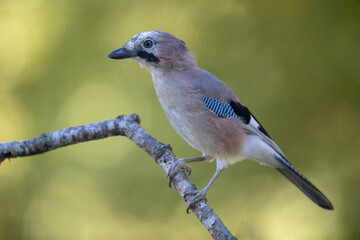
[{"x": 254, "y": 128}]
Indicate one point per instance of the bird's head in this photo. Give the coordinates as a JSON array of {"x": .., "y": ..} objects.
[{"x": 156, "y": 49}]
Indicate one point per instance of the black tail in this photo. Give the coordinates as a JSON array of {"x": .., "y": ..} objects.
[{"x": 305, "y": 186}]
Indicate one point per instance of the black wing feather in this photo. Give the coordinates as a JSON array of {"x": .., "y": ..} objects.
[{"x": 242, "y": 111}]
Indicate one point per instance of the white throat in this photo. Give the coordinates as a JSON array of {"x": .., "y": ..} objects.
[{"x": 156, "y": 72}]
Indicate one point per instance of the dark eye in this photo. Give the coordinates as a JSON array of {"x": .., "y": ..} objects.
[{"x": 148, "y": 44}]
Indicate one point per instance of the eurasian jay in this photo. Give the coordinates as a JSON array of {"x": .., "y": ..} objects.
[{"x": 206, "y": 113}]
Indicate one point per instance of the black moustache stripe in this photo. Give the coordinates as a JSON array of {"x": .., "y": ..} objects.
[{"x": 149, "y": 57}]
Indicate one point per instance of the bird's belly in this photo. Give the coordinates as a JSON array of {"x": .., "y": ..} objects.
[{"x": 213, "y": 136}]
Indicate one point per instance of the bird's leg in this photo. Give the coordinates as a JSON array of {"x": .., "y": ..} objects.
[
  {"x": 181, "y": 164},
  {"x": 200, "y": 195}
]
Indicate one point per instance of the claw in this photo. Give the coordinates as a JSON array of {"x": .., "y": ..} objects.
[
  {"x": 199, "y": 195},
  {"x": 175, "y": 167}
]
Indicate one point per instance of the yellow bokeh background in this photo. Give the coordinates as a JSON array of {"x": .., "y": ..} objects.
[{"x": 295, "y": 64}]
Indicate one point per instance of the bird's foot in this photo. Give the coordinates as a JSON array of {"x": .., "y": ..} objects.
[
  {"x": 175, "y": 167},
  {"x": 198, "y": 196}
]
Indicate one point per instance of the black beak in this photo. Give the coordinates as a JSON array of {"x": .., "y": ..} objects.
[{"x": 122, "y": 53}]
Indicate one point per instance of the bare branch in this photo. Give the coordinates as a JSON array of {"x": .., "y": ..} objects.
[{"x": 125, "y": 125}]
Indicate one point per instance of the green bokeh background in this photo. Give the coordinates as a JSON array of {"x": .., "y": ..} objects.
[{"x": 295, "y": 64}]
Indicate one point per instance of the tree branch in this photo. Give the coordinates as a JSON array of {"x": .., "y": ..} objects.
[{"x": 125, "y": 125}]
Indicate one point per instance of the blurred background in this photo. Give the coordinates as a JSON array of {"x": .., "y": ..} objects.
[{"x": 295, "y": 64}]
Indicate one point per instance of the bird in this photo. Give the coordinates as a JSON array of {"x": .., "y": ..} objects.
[{"x": 207, "y": 114}]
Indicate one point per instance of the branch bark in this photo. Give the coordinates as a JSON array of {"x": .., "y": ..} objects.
[{"x": 129, "y": 126}]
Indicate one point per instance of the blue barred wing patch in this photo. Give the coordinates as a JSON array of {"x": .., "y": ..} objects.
[
  {"x": 233, "y": 109},
  {"x": 219, "y": 108}
]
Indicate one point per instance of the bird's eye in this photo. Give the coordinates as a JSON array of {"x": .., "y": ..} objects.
[{"x": 148, "y": 44}]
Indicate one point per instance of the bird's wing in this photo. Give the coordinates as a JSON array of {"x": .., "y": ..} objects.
[
  {"x": 251, "y": 125},
  {"x": 222, "y": 99}
]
